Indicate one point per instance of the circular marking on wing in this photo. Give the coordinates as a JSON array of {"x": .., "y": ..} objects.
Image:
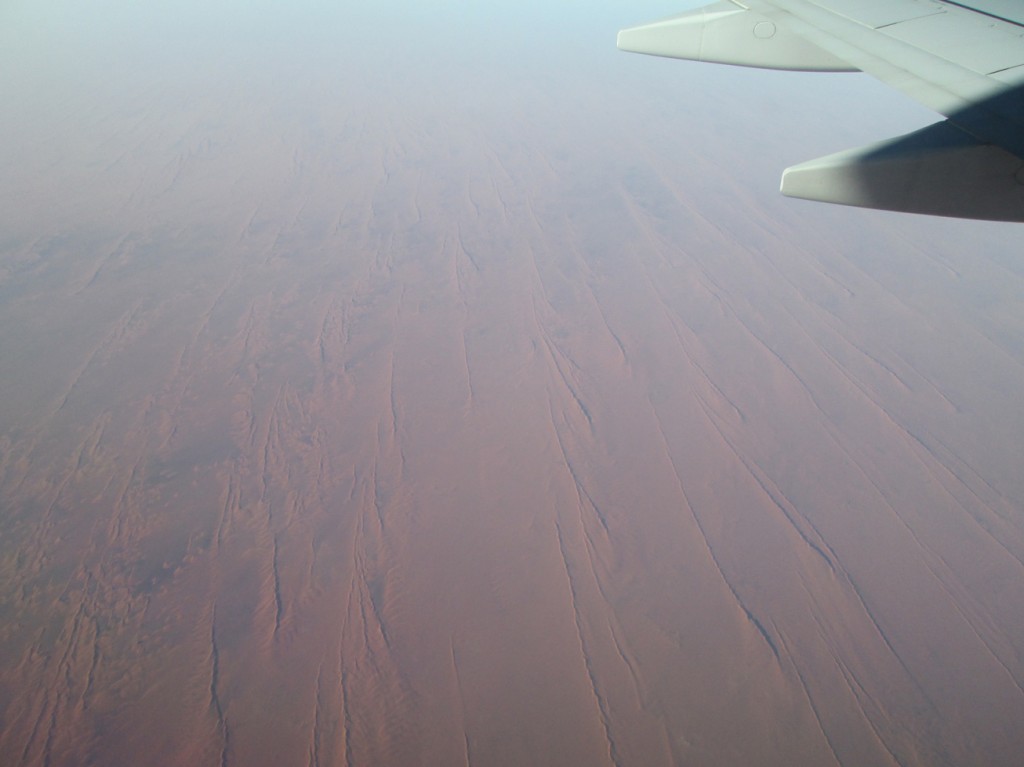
[{"x": 764, "y": 30}]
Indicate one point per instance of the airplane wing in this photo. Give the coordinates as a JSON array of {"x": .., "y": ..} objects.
[{"x": 963, "y": 59}]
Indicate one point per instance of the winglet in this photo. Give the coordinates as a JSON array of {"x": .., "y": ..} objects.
[{"x": 940, "y": 171}]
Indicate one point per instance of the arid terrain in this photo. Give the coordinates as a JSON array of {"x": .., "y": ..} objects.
[{"x": 378, "y": 390}]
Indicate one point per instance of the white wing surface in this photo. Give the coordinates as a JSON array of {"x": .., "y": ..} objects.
[{"x": 964, "y": 60}]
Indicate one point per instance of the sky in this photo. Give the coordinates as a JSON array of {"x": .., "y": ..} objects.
[{"x": 440, "y": 385}]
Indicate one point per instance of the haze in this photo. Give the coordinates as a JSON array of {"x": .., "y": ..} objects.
[{"x": 440, "y": 386}]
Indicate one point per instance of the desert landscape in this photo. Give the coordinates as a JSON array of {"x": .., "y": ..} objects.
[{"x": 408, "y": 387}]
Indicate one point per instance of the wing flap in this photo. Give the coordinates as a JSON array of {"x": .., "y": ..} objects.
[
  {"x": 881, "y": 13},
  {"x": 940, "y": 59},
  {"x": 940, "y": 171},
  {"x": 973, "y": 41}
]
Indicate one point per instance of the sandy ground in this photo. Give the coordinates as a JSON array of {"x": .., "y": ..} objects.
[{"x": 382, "y": 423}]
